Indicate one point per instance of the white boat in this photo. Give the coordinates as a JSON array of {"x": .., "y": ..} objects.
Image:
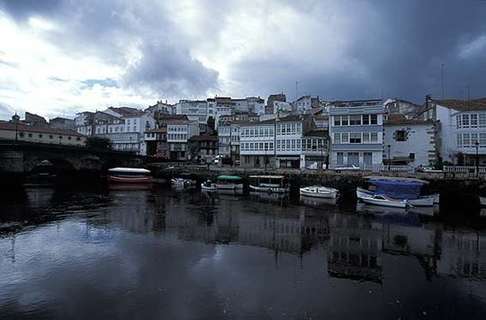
[
  {"x": 180, "y": 182},
  {"x": 208, "y": 186},
  {"x": 234, "y": 183},
  {"x": 129, "y": 175},
  {"x": 379, "y": 200},
  {"x": 270, "y": 184},
  {"x": 424, "y": 201},
  {"x": 319, "y": 192}
]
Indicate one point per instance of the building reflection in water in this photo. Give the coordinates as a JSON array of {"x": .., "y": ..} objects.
[
  {"x": 355, "y": 244},
  {"x": 355, "y": 248}
]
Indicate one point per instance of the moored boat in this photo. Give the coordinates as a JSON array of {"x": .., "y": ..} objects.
[
  {"x": 319, "y": 192},
  {"x": 225, "y": 182},
  {"x": 129, "y": 175},
  {"x": 208, "y": 186},
  {"x": 269, "y": 183},
  {"x": 399, "y": 188},
  {"x": 380, "y": 199},
  {"x": 180, "y": 182}
]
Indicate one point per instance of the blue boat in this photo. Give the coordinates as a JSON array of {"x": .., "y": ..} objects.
[{"x": 398, "y": 188}]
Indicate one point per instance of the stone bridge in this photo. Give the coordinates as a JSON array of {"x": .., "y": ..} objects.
[{"x": 21, "y": 158}]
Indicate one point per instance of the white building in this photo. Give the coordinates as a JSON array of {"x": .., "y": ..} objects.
[
  {"x": 229, "y": 139},
  {"x": 178, "y": 134},
  {"x": 196, "y": 110},
  {"x": 124, "y": 126},
  {"x": 461, "y": 129},
  {"x": 409, "y": 142},
  {"x": 279, "y": 143},
  {"x": 356, "y": 130},
  {"x": 304, "y": 104}
]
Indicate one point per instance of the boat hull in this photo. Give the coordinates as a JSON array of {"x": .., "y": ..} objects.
[
  {"x": 427, "y": 201},
  {"x": 326, "y": 194},
  {"x": 269, "y": 189},
  {"x": 129, "y": 180},
  {"x": 370, "y": 198},
  {"x": 229, "y": 186}
]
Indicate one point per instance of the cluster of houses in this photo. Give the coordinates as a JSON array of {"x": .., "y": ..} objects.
[{"x": 306, "y": 133}]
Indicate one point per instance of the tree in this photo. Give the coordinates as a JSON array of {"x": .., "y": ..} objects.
[{"x": 98, "y": 143}]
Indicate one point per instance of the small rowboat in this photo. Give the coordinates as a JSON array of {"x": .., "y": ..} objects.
[
  {"x": 379, "y": 200},
  {"x": 319, "y": 192}
]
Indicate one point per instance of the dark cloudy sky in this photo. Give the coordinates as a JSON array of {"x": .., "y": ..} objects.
[{"x": 61, "y": 56}]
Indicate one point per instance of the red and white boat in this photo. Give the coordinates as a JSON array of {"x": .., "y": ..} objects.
[{"x": 129, "y": 175}]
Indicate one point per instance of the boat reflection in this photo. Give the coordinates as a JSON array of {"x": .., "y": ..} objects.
[
  {"x": 317, "y": 202},
  {"x": 276, "y": 198},
  {"x": 365, "y": 208}
]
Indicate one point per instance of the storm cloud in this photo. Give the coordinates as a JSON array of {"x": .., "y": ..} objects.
[{"x": 192, "y": 49}]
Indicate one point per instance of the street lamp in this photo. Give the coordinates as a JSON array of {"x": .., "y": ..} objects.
[{"x": 389, "y": 158}]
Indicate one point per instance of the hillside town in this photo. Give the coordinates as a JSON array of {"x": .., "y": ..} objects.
[{"x": 307, "y": 133}]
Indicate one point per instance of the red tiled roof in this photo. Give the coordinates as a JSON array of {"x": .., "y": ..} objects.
[
  {"x": 463, "y": 105},
  {"x": 25, "y": 128},
  {"x": 127, "y": 112},
  {"x": 399, "y": 119}
]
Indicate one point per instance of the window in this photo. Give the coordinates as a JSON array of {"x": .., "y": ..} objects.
[
  {"x": 459, "y": 140},
  {"x": 21, "y": 134},
  {"x": 466, "y": 141},
  {"x": 366, "y": 119},
  {"x": 482, "y": 120},
  {"x": 355, "y": 137},
  {"x": 344, "y": 120},
  {"x": 60, "y": 137},
  {"x": 337, "y": 120},
  {"x": 298, "y": 144},
  {"x": 337, "y": 138},
  {"x": 355, "y": 120},
  {"x": 293, "y": 144},
  {"x": 465, "y": 121},
  {"x": 50, "y": 136},
  {"x": 374, "y": 119},
  {"x": 69, "y": 138},
  {"x": 266, "y": 146},
  {"x": 474, "y": 120},
  {"x": 458, "y": 122},
  {"x": 40, "y": 135},
  {"x": 261, "y": 146},
  {"x": 344, "y": 137},
  {"x": 482, "y": 139},
  {"x": 278, "y": 144},
  {"x": 78, "y": 139},
  {"x": 29, "y": 135},
  {"x": 288, "y": 144},
  {"x": 340, "y": 158},
  {"x": 374, "y": 137},
  {"x": 474, "y": 139},
  {"x": 401, "y": 135},
  {"x": 271, "y": 145},
  {"x": 366, "y": 137}
]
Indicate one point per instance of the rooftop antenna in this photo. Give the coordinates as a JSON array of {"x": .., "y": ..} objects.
[{"x": 296, "y": 90}]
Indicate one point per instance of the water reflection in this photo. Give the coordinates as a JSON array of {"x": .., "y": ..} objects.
[{"x": 215, "y": 247}]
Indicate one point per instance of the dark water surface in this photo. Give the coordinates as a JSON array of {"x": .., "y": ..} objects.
[{"x": 166, "y": 254}]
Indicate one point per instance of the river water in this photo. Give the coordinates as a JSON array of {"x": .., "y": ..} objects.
[{"x": 168, "y": 254}]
